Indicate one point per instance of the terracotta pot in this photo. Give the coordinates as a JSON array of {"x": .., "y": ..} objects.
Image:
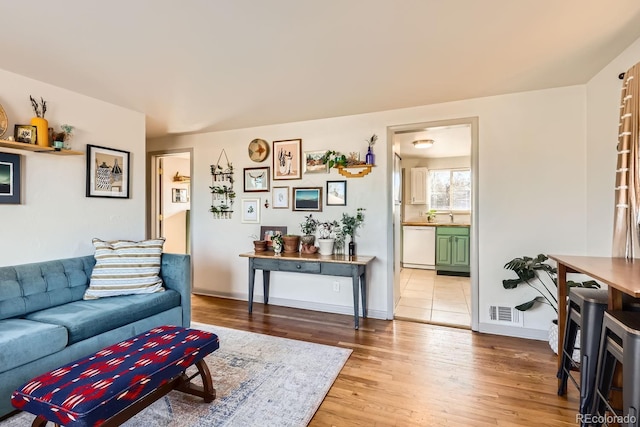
[
  {"x": 291, "y": 244},
  {"x": 308, "y": 249},
  {"x": 308, "y": 239},
  {"x": 259, "y": 245}
]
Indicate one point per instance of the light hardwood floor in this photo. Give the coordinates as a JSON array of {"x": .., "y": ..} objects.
[{"x": 414, "y": 374}]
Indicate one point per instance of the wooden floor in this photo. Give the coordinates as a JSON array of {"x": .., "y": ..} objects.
[{"x": 414, "y": 374}]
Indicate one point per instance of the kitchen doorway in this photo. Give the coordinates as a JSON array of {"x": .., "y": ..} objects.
[{"x": 434, "y": 211}]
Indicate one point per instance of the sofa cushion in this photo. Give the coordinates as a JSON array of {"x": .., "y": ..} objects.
[
  {"x": 23, "y": 341},
  {"x": 85, "y": 319},
  {"x": 124, "y": 267}
]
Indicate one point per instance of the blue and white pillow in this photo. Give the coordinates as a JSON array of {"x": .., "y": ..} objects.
[{"x": 124, "y": 267}]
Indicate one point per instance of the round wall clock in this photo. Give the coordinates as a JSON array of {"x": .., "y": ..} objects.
[
  {"x": 3, "y": 121},
  {"x": 258, "y": 150}
]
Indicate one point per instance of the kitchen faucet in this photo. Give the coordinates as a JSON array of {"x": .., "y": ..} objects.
[{"x": 451, "y": 216}]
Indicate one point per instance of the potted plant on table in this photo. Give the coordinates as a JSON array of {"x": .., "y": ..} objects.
[
  {"x": 291, "y": 243},
  {"x": 278, "y": 243},
  {"x": 543, "y": 278},
  {"x": 258, "y": 245},
  {"x": 326, "y": 237},
  {"x": 308, "y": 228},
  {"x": 350, "y": 224}
]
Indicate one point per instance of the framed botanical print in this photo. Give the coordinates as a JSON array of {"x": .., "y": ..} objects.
[
  {"x": 280, "y": 197},
  {"x": 250, "y": 211},
  {"x": 107, "y": 172},
  {"x": 287, "y": 159},
  {"x": 256, "y": 179},
  {"x": 307, "y": 199}
]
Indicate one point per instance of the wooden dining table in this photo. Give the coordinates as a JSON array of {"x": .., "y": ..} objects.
[{"x": 621, "y": 275}]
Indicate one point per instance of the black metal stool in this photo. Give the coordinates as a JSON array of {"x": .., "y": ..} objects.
[
  {"x": 585, "y": 312},
  {"x": 620, "y": 344}
]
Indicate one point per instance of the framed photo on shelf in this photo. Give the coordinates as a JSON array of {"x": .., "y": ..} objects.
[
  {"x": 250, "y": 211},
  {"x": 256, "y": 179},
  {"x": 336, "y": 193},
  {"x": 25, "y": 133},
  {"x": 287, "y": 159},
  {"x": 9, "y": 179},
  {"x": 307, "y": 199},
  {"x": 179, "y": 195},
  {"x": 107, "y": 172},
  {"x": 268, "y": 231},
  {"x": 280, "y": 198},
  {"x": 314, "y": 163}
]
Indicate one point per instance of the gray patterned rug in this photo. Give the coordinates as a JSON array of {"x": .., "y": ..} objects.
[{"x": 260, "y": 380}]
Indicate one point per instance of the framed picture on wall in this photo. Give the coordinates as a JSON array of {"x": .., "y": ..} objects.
[
  {"x": 256, "y": 179},
  {"x": 179, "y": 195},
  {"x": 9, "y": 179},
  {"x": 336, "y": 193},
  {"x": 250, "y": 211},
  {"x": 280, "y": 198},
  {"x": 315, "y": 162},
  {"x": 307, "y": 199},
  {"x": 287, "y": 159},
  {"x": 107, "y": 172}
]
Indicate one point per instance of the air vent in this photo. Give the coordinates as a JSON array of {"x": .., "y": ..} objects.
[{"x": 500, "y": 314}]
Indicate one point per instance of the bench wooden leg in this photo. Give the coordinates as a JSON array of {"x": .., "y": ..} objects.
[
  {"x": 206, "y": 391},
  {"x": 41, "y": 421}
]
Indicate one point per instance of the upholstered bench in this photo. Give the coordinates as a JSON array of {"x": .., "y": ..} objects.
[{"x": 112, "y": 385}]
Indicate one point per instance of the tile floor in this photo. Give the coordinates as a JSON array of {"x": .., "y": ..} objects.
[{"x": 429, "y": 298}]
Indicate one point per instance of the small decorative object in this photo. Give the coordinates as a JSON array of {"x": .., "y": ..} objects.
[
  {"x": 280, "y": 197},
  {"x": 315, "y": 162},
  {"x": 258, "y": 150},
  {"x": 9, "y": 179},
  {"x": 256, "y": 179},
  {"x": 63, "y": 139},
  {"x": 307, "y": 199},
  {"x": 291, "y": 243},
  {"x": 431, "y": 215},
  {"x": 181, "y": 178},
  {"x": 287, "y": 159},
  {"x": 350, "y": 226},
  {"x": 222, "y": 194},
  {"x": 266, "y": 203},
  {"x": 40, "y": 122},
  {"x": 336, "y": 193},
  {"x": 25, "y": 133},
  {"x": 258, "y": 244},
  {"x": 107, "y": 172},
  {"x": 268, "y": 231},
  {"x": 4, "y": 122},
  {"x": 370, "y": 157},
  {"x": 179, "y": 195},
  {"x": 278, "y": 243},
  {"x": 250, "y": 211},
  {"x": 338, "y": 245}
]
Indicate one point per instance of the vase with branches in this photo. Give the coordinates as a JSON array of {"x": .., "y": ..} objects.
[
  {"x": 41, "y": 124},
  {"x": 350, "y": 225}
]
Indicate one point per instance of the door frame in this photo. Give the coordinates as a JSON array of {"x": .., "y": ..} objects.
[{"x": 474, "y": 234}]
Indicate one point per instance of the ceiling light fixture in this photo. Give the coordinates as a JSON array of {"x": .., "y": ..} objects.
[{"x": 423, "y": 143}]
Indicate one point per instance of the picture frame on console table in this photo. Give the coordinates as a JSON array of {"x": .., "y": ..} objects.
[
  {"x": 9, "y": 179},
  {"x": 287, "y": 159},
  {"x": 107, "y": 172}
]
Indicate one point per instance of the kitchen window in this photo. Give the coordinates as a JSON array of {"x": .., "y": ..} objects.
[{"x": 450, "y": 189}]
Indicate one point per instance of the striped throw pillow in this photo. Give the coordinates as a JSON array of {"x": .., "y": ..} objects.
[{"x": 124, "y": 267}]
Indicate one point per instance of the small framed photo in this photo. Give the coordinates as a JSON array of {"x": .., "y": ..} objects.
[
  {"x": 107, "y": 172},
  {"x": 256, "y": 179},
  {"x": 287, "y": 159},
  {"x": 25, "y": 133},
  {"x": 280, "y": 198},
  {"x": 268, "y": 231},
  {"x": 250, "y": 211},
  {"x": 9, "y": 179},
  {"x": 314, "y": 162},
  {"x": 179, "y": 195},
  {"x": 307, "y": 199},
  {"x": 336, "y": 193}
]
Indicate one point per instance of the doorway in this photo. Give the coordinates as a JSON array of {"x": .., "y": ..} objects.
[
  {"x": 169, "y": 212},
  {"x": 434, "y": 215}
]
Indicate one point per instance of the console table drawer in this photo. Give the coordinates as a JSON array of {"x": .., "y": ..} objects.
[
  {"x": 265, "y": 264},
  {"x": 300, "y": 267}
]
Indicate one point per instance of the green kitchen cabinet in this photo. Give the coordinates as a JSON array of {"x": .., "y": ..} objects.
[{"x": 452, "y": 249}]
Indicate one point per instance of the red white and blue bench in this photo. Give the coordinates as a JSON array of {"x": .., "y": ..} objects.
[{"x": 114, "y": 384}]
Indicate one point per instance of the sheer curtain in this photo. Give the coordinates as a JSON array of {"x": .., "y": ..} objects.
[{"x": 627, "y": 191}]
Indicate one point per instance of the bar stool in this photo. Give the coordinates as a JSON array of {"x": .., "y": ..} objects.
[
  {"x": 620, "y": 344},
  {"x": 585, "y": 312}
]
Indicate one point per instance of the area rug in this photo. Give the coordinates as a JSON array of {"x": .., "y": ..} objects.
[{"x": 260, "y": 380}]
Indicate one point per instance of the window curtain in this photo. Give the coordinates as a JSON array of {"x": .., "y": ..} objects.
[{"x": 627, "y": 190}]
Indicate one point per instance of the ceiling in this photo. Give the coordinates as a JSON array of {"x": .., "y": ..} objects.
[
  {"x": 448, "y": 141},
  {"x": 204, "y": 65}
]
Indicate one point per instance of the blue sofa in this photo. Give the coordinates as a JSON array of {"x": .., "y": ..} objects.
[{"x": 45, "y": 323}]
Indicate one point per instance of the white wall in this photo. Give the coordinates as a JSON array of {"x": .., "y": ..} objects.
[
  {"x": 528, "y": 202},
  {"x": 175, "y": 214},
  {"x": 603, "y": 101},
  {"x": 55, "y": 219}
]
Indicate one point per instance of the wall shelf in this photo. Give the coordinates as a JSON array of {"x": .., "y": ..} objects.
[
  {"x": 364, "y": 170},
  {"x": 38, "y": 149}
]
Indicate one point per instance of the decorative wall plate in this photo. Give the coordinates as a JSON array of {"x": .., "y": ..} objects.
[
  {"x": 4, "y": 123},
  {"x": 258, "y": 150}
]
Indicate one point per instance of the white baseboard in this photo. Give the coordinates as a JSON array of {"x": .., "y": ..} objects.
[
  {"x": 305, "y": 305},
  {"x": 510, "y": 331}
]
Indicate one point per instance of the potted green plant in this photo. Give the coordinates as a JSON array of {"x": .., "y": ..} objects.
[
  {"x": 278, "y": 243},
  {"x": 543, "y": 278},
  {"x": 308, "y": 228},
  {"x": 258, "y": 245},
  {"x": 431, "y": 215},
  {"x": 326, "y": 237},
  {"x": 350, "y": 224}
]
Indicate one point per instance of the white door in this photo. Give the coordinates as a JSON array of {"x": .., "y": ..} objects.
[{"x": 397, "y": 225}]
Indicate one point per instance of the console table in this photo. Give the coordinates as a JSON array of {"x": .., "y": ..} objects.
[{"x": 327, "y": 265}]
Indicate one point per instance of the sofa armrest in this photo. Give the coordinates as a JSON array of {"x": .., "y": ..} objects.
[{"x": 176, "y": 274}]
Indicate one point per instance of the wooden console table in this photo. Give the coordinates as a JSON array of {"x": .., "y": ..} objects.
[
  {"x": 622, "y": 276},
  {"x": 328, "y": 265}
]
